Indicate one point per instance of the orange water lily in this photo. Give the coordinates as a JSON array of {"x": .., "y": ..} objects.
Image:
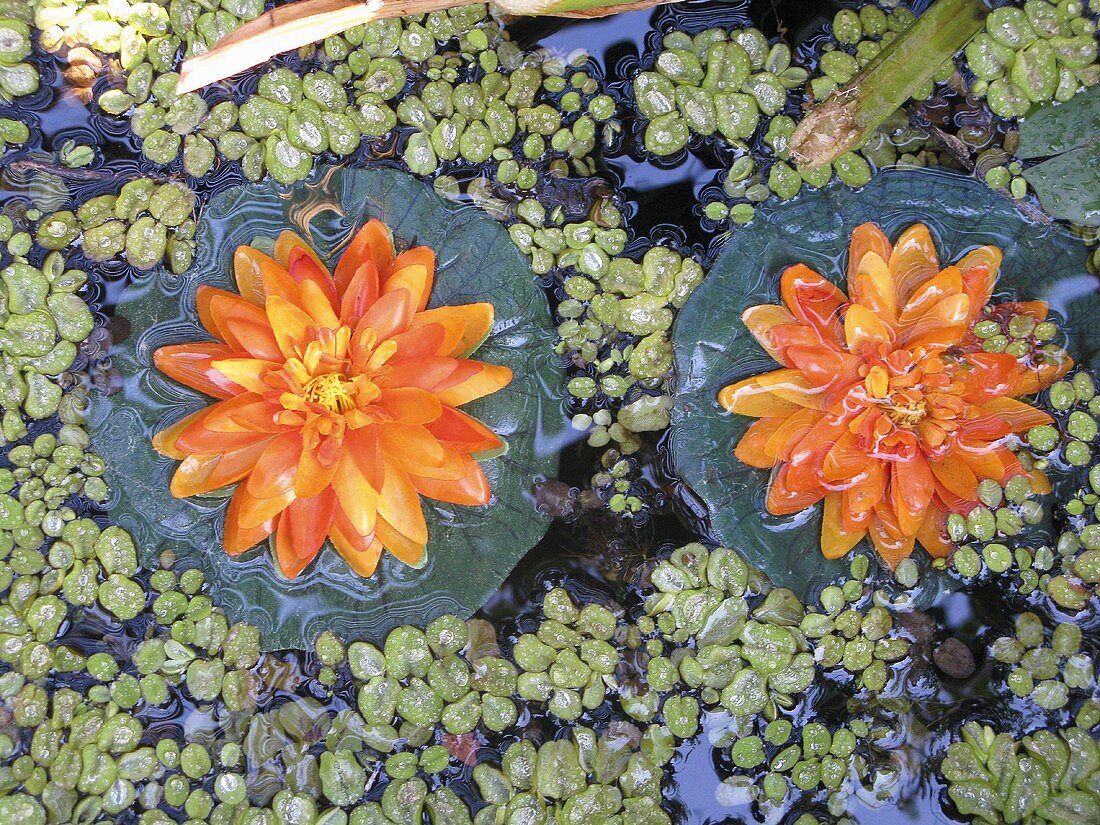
[
  {"x": 886, "y": 407},
  {"x": 338, "y": 400}
]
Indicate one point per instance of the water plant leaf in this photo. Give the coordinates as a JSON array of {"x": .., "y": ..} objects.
[
  {"x": 471, "y": 549},
  {"x": 1068, "y": 135},
  {"x": 713, "y": 348}
]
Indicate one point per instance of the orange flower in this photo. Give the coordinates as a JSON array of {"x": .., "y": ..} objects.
[
  {"x": 338, "y": 399},
  {"x": 886, "y": 406}
]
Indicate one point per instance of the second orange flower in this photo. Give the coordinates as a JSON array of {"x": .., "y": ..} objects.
[
  {"x": 337, "y": 402},
  {"x": 886, "y": 407}
]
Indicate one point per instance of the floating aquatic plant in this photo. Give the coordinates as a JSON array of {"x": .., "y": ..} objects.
[
  {"x": 475, "y": 263},
  {"x": 338, "y": 401},
  {"x": 714, "y": 349},
  {"x": 886, "y": 407}
]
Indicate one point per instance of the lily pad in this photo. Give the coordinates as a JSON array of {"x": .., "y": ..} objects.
[
  {"x": 471, "y": 549},
  {"x": 1068, "y": 135},
  {"x": 713, "y": 348}
]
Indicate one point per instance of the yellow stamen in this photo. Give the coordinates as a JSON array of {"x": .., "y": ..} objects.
[{"x": 332, "y": 391}]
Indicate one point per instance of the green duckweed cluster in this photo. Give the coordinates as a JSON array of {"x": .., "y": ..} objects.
[
  {"x": 1044, "y": 669},
  {"x": 138, "y": 31},
  {"x": 717, "y": 82},
  {"x": 477, "y": 100},
  {"x": 1046, "y": 777},
  {"x": 723, "y": 641},
  {"x": 716, "y": 636},
  {"x": 18, "y": 76},
  {"x": 1035, "y": 54},
  {"x": 13, "y": 133},
  {"x": 147, "y": 222},
  {"x": 43, "y": 322}
]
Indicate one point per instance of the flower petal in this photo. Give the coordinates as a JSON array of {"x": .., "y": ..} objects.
[
  {"x": 980, "y": 268},
  {"x": 989, "y": 375},
  {"x": 301, "y": 532},
  {"x": 314, "y": 475},
  {"x": 890, "y": 542},
  {"x": 783, "y": 501},
  {"x": 752, "y": 447},
  {"x": 863, "y": 328},
  {"x": 760, "y": 319},
  {"x": 215, "y": 431},
  {"x": 942, "y": 285},
  {"x": 464, "y": 433},
  {"x": 290, "y": 324},
  {"x": 866, "y": 237},
  {"x": 241, "y": 325},
  {"x": 944, "y": 324},
  {"x": 256, "y": 511},
  {"x": 814, "y": 300},
  {"x": 470, "y": 489},
  {"x": 824, "y": 367},
  {"x": 360, "y": 552},
  {"x": 911, "y": 488},
  {"x": 409, "y": 405},
  {"x": 199, "y": 474},
  {"x": 836, "y": 541},
  {"x": 360, "y": 294},
  {"x": 872, "y": 286},
  {"x": 780, "y": 392},
  {"x": 931, "y": 534},
  {"x": 418, "y": 342},
  {"x": 245, "y": 373},
  {"x": 413, "y": 270},
  {"x": 399, "y": 506},
  {"x": 372, "y": 243},
  {"x": 277, "y": 467},
  {"x": 865, "y": 492},
  {"x": 1036, "y": 379},
  {"x": 403, "y": 547},
  {"x": 358, "y": 499},
  {"x": 287, "y": 243},
  {"x": 1018, "y": 415},
  {"x": 235, "y": 538},
  {"x": 476, "y": 379},
  {"x": 193, "y": 365},
  {"x": 466, "y": 326},
  {"x": 249, "y": 266},
  {"x": 306, "y": 269},
  {"x": 913, "y": 261},
  {"x": 955, "y": 476},
  {"x": 164, "y": 441},
  {"x": 389, "y": 315}
]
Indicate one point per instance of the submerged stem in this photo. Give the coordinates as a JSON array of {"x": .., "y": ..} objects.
[{"x": 844, "y": 120}]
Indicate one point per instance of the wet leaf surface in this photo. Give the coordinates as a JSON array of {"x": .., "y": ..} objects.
[{"x": 1068, "y": 135}]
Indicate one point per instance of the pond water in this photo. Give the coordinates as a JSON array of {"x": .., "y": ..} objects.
[{"x": 594, "y": 554}]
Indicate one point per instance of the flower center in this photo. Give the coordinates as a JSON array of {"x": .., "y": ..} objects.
[
  {"x": 906, "y": 407},
  {"x": 332, "y": 391}
]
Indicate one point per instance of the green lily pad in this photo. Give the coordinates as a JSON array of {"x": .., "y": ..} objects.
[
  {"x": 471, "y": 549},
  {"x": 713, "y": 348},
  {"x": 1068, "y": 135}
]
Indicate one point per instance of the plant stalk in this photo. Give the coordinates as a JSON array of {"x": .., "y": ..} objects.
[{"x": 848, "y": 116}]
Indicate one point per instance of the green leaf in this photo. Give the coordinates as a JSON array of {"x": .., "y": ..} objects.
[
  {"x": 1068, "y": 134},
  {"x": 713, "y": 348},
  {"x": 1057, "y": 128},
  {"x": 471, "y": 549}
]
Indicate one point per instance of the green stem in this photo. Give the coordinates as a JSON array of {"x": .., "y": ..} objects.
[{"x": 845, "y": 119}]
